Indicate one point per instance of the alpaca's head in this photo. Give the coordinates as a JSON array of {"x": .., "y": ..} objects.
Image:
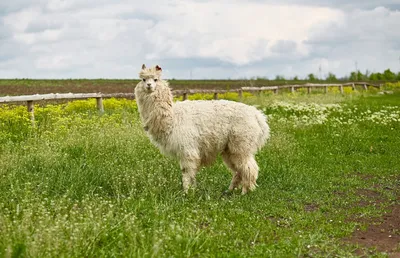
[{"x": 150, "y": 77}]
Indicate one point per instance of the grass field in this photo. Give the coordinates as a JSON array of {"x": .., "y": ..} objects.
[{"x": 81, "y": 184}]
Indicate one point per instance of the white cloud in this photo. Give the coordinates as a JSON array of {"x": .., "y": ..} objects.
[
  {"x": 19, "y": 21},
  {"x": 213, "y": 39},
  {"x": 339, "y": 4},
  {"x": 367, "y": 37},
  {"x": 232, "y": 31}
]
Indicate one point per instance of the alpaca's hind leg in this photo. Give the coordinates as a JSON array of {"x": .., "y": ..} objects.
[
  {"x": 236, "y": 179},
  {"x": 189, "y": 171},
  {"x": 236, "y": 176},
  {"x": 246, "y": 171}
]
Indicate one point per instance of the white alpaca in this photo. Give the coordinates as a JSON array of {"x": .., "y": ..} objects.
[{"x": 195, "y": 132}]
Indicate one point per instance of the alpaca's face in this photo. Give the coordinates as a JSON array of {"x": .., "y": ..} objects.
[
  {"x": 150, "y": 77},
  {"x": 149, "y": 83}
]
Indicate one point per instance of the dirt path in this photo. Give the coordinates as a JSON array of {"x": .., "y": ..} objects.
[{"x": 383, "y": 233}]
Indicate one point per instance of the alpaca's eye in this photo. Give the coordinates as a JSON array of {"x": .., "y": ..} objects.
[
  {"x": 144, "y": 80},
  {"x": 155, "y": 80}
]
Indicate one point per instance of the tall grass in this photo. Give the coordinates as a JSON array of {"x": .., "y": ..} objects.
[{"x": 83, "y": 184}]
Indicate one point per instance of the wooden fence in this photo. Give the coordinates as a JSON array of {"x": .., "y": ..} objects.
[{"x": 29, "y": 99}]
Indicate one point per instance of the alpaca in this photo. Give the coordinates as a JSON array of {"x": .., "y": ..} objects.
[{"x": 195, "y": 132}]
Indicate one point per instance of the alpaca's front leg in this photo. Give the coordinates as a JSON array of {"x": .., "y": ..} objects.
[
  {"x": 236, "y": 179},
  {"x": 189, "y": 171},
  {"x": 188, "y": 179}
]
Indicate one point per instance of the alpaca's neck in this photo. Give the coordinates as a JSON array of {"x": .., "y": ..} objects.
[{"x": 156, "y": 111}]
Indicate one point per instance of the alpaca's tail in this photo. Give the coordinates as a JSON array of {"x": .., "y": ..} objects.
[
  {"x": 249, "y": 173},
  {"x": 265, "y": 131}
]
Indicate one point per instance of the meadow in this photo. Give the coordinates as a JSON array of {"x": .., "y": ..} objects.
[{"x": 84, "y": 184}]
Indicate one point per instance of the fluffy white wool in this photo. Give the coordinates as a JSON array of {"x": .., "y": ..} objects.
[{"x": 195, "y": 132}]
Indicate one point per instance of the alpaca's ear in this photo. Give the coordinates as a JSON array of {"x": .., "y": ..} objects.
[
  {"x": 158, "y": 68},
  {"x": 143, "y": 66}
]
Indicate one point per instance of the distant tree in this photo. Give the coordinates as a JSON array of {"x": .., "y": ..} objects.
[
  {"x": 357, "y": 76},
  {"x": 353, "y": 76},
  {"x": 360, "y": 76},
  {"x": 331, "y": 77},
  {"x": 311, "y": 77},
  {"x": 398, "y": 76},
  {"x": 296, "y": 78},
  {"x": 375, "y": 76},
  {"x": 389, "y": 75},
  {"x": 279, "y": 78}
]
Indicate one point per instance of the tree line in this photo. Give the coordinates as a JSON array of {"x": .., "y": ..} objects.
[{"x": 387, "y": 75}]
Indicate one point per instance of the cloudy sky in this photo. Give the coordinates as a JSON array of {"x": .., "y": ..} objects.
[{"x": 197, "y": 38}]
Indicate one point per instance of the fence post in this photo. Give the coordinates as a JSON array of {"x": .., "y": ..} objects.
[
  {"x": 31, "y": 111},
  {"x": 215, "y": 95},
  {"x": 240, "y": 95},
  {"x": 100, "y": 107},
  {"x": 308, "y": 89},
  {"x": 292, "y": 89},
  {"x": 353, "y": 86},
  {"x": 185, "y": 96},
  {"x": 365, "y": 87},
  {"x": 341, "y": 89},
  {"x": 326, "y": 89}
]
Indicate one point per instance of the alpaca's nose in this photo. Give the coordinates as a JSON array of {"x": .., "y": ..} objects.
[{"x": 149, "y": 84}]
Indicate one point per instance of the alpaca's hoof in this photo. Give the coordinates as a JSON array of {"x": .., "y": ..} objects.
[
  {"x": 189, "y": 190},
  {"x": 245, "y": 190},
  {"x": 186, "y": 191},
  {"x": 227, "y": 193}
]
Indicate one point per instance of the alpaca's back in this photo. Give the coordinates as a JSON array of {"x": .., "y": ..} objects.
[{"x": 212, "y": 127}]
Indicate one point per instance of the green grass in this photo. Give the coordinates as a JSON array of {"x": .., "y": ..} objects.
[{"x": 82, "y": 184}]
